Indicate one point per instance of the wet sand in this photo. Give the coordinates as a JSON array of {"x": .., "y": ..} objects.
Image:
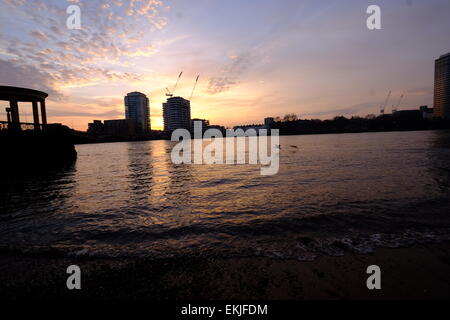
[{"x": 407, "y": 273}]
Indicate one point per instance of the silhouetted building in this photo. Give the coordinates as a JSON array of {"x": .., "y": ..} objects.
[
  {"x": 206, "y": 125},
  {"x": 408, "y": 114},
  {"x": 96, "y": 127},
  {"x": 442, "y": 87},
  {"x": 249, "y": 129},
  {"x": 268, "y": 122},
  {"x": 137, "y": 108},
  {"x": 204, "y": 122},
  {"x": 427, "y": 113},
  {"x": 250, "y": 126},
  {"x": 255, "y": 126},
  {"x": 121, "y": 127},
  {"x": 177, "y": 114}
]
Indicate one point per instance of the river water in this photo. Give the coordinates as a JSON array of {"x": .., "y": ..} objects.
[{"x": 333, "y": 194}]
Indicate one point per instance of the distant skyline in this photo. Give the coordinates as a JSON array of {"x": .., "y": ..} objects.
[{"x": 255, "y": 58}]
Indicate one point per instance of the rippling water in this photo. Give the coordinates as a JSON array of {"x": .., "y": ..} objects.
[{"x": 333, "y": 193}]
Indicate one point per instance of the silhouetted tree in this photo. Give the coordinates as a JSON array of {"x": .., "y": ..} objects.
[{"x": 290, "y": 117}]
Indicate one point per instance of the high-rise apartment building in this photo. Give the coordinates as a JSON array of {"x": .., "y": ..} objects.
[
  {"x": 137, "y": 108},
  {"x": 442, "y": 87},
  {"x": 177, "y": 114}
]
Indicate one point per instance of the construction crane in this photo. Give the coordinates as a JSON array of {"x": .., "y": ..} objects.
[
  {"x": 382, "y": 108},
  {"x": 170, "y": 94},
  {"x": 395, "y": 108},
  {"x": 193, "y": 89}
]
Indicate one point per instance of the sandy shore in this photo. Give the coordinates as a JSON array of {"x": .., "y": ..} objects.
[{"x": 407, "y": 273}]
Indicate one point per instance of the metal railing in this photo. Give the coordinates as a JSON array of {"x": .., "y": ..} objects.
[{"x": 5, "y": 125}]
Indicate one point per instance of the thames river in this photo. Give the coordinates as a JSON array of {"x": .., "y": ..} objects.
[{"x": 333, "y": 194}]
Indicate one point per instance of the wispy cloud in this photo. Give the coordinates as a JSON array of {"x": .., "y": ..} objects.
[
  {"x": 13, "y": 73},
  {"x": 230, "y": 73},
  {"x": 312, "y": 58},
  {"x": 68, "y": 58}
]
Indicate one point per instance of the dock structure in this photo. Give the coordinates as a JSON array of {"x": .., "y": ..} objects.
[
  {"x": 15, "y": 95},
  {"x": 32, "y": 146}
]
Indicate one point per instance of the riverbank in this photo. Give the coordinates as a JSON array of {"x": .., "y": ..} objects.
[
  {"x": 81, "y": 138},
  {"x": 407, "y": 273}
]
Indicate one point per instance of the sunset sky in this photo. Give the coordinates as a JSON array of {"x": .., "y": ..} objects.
[{"x": 256, "y": 58}]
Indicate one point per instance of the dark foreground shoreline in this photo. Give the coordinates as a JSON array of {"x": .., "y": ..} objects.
[{"x": 407, "y": 273}]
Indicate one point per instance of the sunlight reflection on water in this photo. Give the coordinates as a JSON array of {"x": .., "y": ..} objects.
[{"x": 332, "y": 193}]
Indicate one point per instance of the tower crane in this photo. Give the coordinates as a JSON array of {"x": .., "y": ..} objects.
[
  {"x": 193, "y": 89},
  {"x": 382, "y": 108},
  {"x": 170, "y": 94},
  {"x": 395, "y": 108}
]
